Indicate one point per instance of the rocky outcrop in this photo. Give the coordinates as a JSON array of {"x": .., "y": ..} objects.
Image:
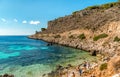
[
  {"x": 113, "y": 67},
  {"x": 94, "y": 30},
  {"x": 6, "y": 75},
  {"x": 85, "y": 19},
  {"x": 72, "y": 39}
]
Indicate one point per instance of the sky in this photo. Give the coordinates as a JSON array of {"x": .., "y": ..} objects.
[{"x": 24, "y": 17}]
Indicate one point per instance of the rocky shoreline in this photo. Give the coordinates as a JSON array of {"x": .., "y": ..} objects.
[
  {"x": 103, "y": 58},
  {"x": 67, "y": 44},
  {"x": 95, "y": 29}
]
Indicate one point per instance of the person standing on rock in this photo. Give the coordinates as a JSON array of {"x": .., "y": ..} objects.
[
  {"x": 88, "y": 66},
  {"x": 79, "y": 69}
]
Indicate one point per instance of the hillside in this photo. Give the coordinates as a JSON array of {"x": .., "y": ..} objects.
[
  {"x": 89, "y": 18},
  {"x": 94, "y": 29}
]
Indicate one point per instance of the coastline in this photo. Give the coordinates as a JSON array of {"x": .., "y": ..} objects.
[
  {"x": 95, "y": 29},
  {"x": 61, "y": 55},
  {"x": 70, "y": 67},
  {"x": 77, "y": 44},
  {"x": 52, "y": 43},
  {"x": 97, "y": 46}
]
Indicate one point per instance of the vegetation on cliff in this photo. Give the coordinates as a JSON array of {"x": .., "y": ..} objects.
[
  {"x": 116, "y": 39},
  {"x": 82, "y": 36},
  {"x": 71, "y": 36},
  {"x": 104, "y": 6},
  {"x": 92, "y": 18},
  {"x": 43, "y": 29},
  {"x": 100, "y": 36},
  {"x": 103, "y": 66},
  {"x": 57, "y": 36}
]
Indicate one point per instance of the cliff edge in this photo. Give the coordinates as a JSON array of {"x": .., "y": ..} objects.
[{"x": 95, "y": 28}]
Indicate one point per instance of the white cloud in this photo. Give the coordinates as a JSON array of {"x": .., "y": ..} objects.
[
  {"x": 4, "y": 20},
  {"x": 15, "y": 20},
  {"x": 34, "y": 22},
  {"x": 24, "y": 22}
]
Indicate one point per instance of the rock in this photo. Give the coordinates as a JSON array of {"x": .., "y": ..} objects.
[
  {"x": 69, "y": 65},
  {"x": 5, "y": 75},
  {"x": 92, "y": 23},
  {"x": 94, "y": 53},
  {"x": 50, "y": 44},
  {"x": 58, "y": 67}
]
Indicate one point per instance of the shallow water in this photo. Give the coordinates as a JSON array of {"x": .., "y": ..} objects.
[{"x": 25, "y": 57}]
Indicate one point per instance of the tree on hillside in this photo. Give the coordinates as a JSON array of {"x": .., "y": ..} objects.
[
  {"x": 43, "y": 29},
  {"x": 118, "y": 0},
  {"x": 36, "y": 32}
]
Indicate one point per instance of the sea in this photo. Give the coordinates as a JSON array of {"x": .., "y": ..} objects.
[{"x": 24, "y": 57}]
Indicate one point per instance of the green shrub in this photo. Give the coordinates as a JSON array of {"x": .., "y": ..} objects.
[
  {"x": 75, "y": 12},
  {"x": 100, "y": 36},
  {"x": 104, "y": 6},
  {"x": 71, "y": 36},
  {"x": 57, "y": 36},
  {"x": 116, "y": 39},
  {"x": 92, "y": 7},
  {"x": 43, "y": 29},
  {"x": 81, "y": 36},
  {"x": 103, "y": 66},
  {"x": 37, "y": 32}
]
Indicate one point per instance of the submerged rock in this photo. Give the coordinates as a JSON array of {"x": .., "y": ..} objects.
[{"x": 6, "y": 75}]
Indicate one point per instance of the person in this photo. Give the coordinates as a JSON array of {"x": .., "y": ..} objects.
[
  {"x": 71, "y": 74},
  {"x": 85, "y": 65},
  {"x": 88, "y": 66},
  {"x": 80, "y": 70}
]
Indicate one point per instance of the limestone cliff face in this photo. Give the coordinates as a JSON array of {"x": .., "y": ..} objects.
[
  {"x": 71, "y": 38},
  {"x": 90, "y": 22},
  {"x": 85, "y": 19},
  {"x": 90, "y": 29}
]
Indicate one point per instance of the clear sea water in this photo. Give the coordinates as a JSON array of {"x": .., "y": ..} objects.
[{"x": 25, "y": 57}]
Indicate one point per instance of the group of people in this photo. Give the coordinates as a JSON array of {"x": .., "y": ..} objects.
[{"x": 85, "y": 66}]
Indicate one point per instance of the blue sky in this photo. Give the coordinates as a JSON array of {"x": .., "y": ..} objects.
[{"x": 24, "y": 17}]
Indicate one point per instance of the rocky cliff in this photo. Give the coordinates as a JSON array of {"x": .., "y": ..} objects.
[
  {"x": 89, "y": 18},
  {"x": 95, "y": 28},
  {"x": 99, "y": 25}
]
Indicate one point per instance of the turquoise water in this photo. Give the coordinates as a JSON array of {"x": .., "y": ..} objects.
[
  {"x": 25, "y": 57},
  {"x": 7, "y": 55}
]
